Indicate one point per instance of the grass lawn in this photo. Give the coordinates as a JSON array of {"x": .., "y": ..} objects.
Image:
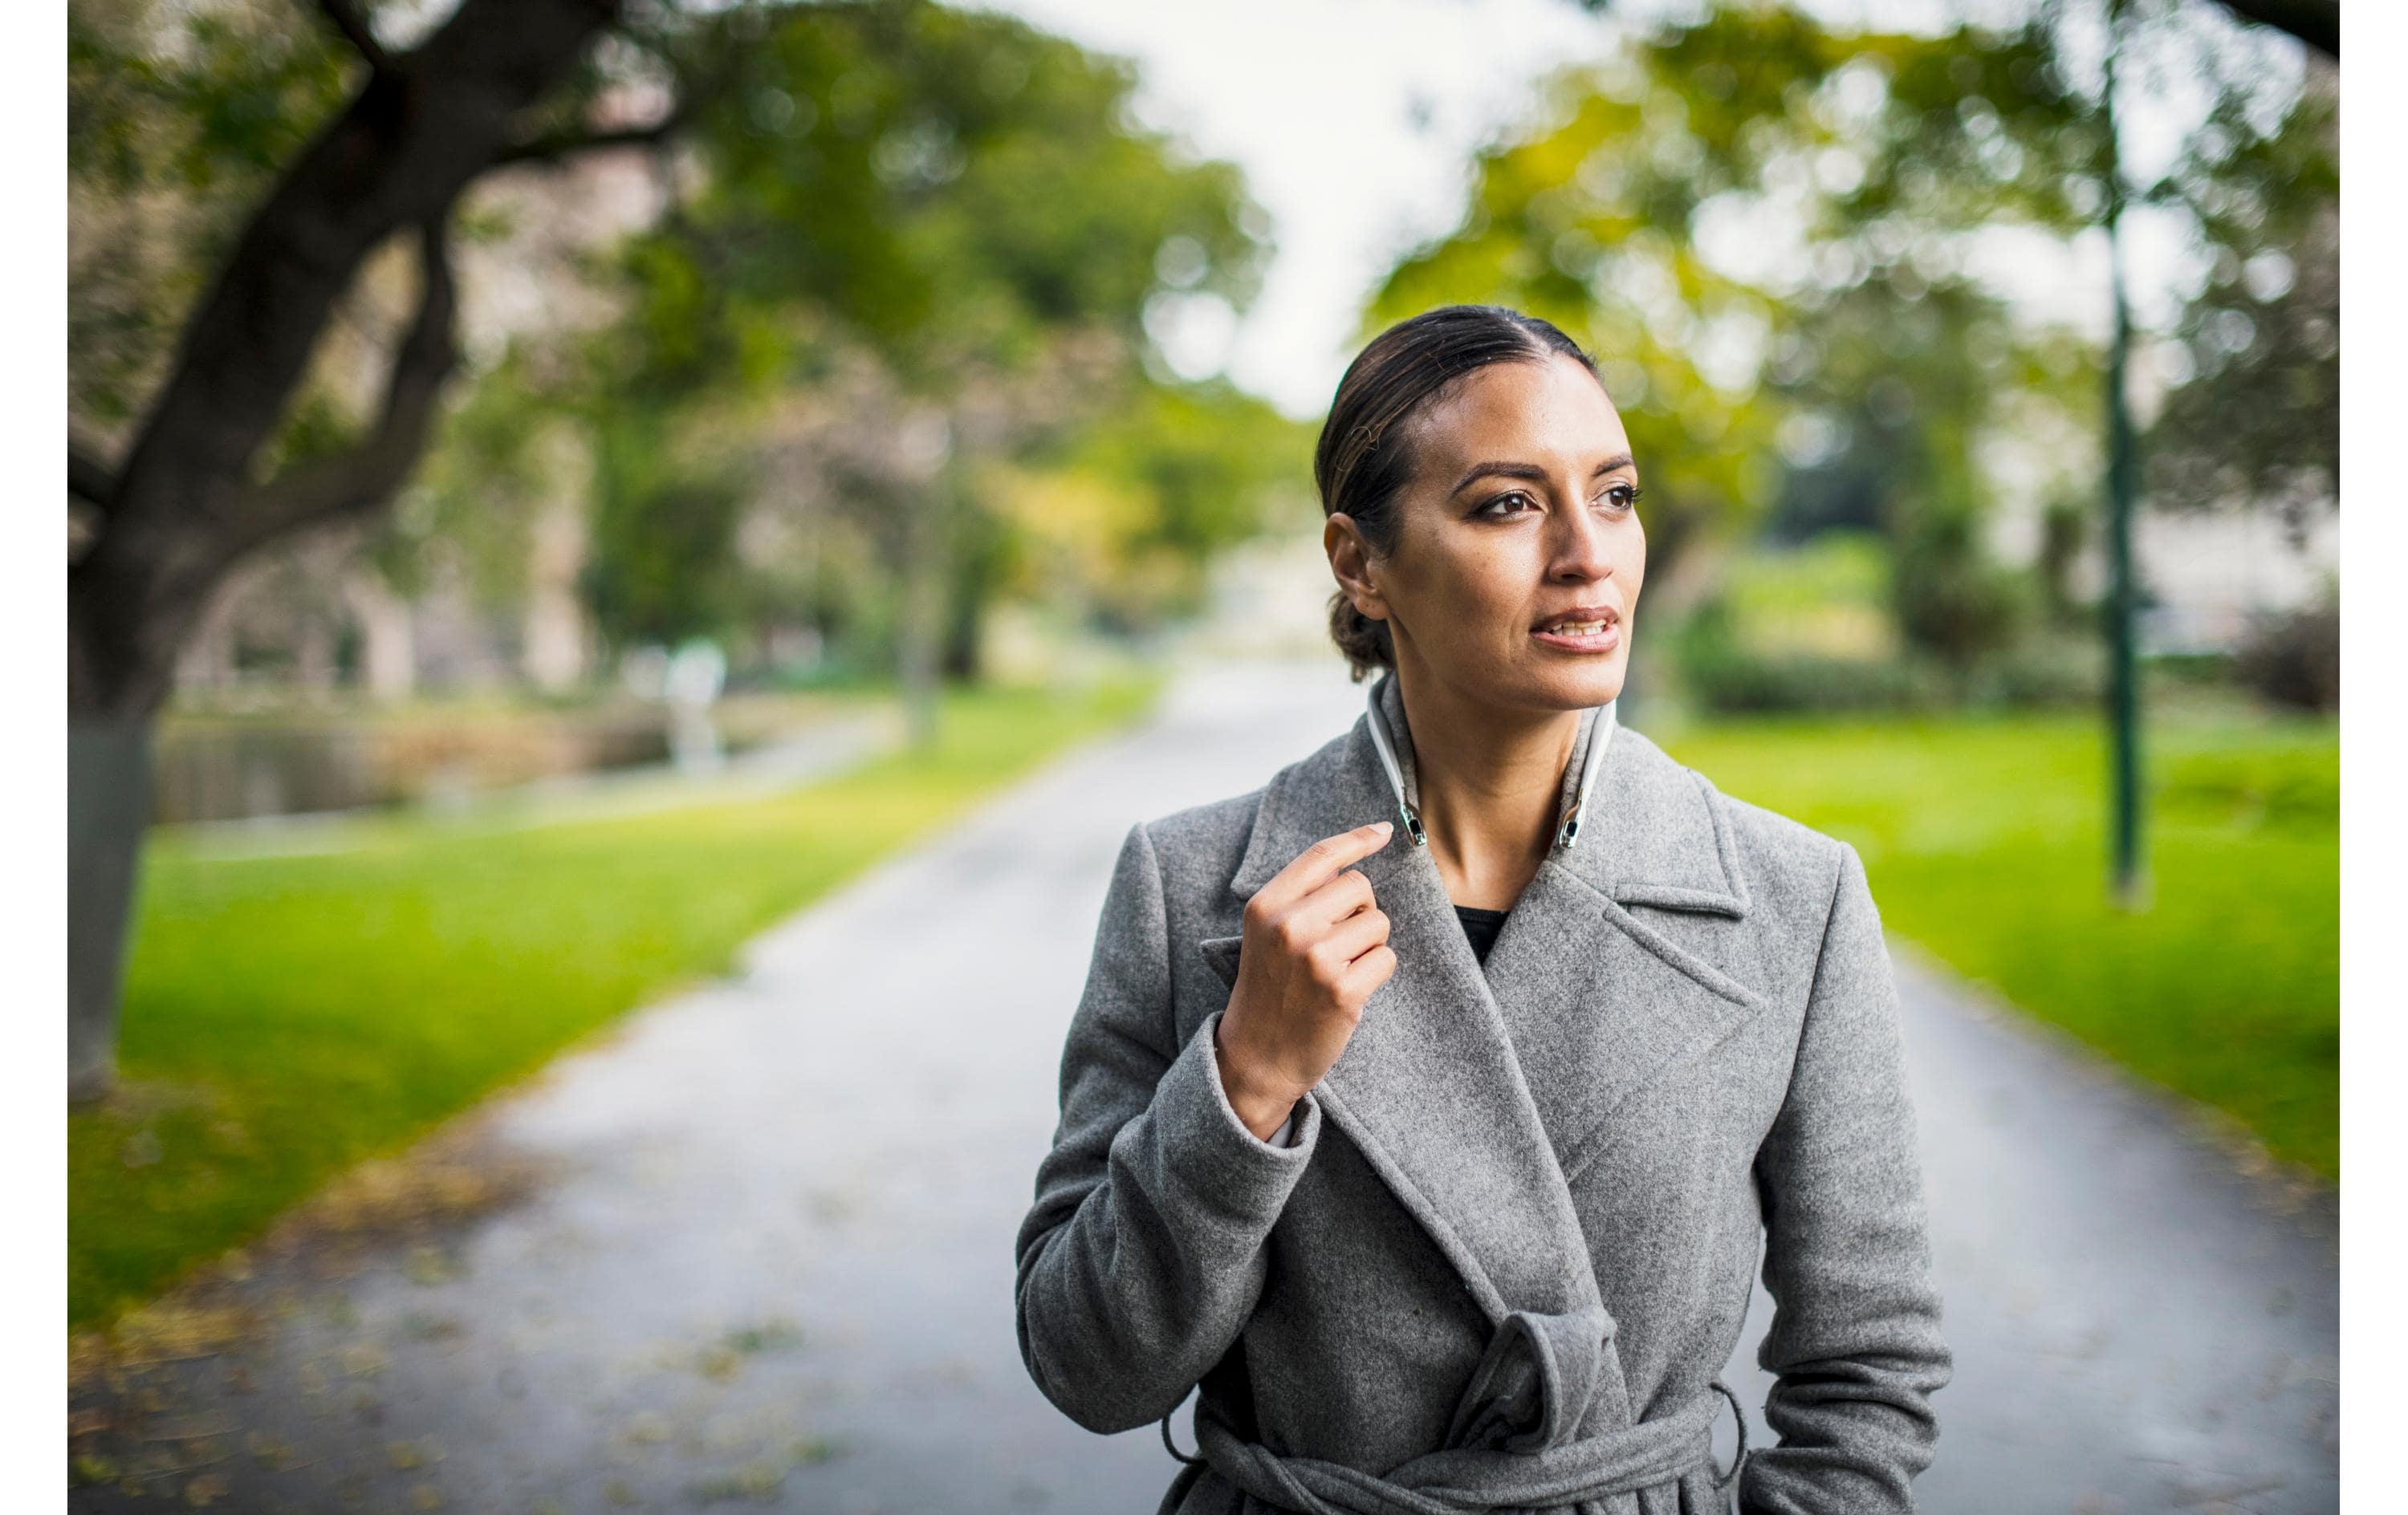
[
  {"x": 1985, "y": 843},
  {"x": 286, "y": 1017}
]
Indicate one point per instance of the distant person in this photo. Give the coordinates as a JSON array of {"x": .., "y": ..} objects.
[{"x": 1428, "y": 1106}]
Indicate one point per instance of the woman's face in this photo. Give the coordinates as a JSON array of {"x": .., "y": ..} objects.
[{"x": 1518, "y": 551}]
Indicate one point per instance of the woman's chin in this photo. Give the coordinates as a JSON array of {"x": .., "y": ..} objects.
[{"x": 1562, "y": 683}]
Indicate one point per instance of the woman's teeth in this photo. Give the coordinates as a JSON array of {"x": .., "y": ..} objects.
[{"x": 1577, "y": 628}]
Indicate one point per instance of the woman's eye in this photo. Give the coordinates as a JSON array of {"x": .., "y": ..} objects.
[
  {"x": 1621, "y": 496},
  {"x": 1512, "y": 502}
]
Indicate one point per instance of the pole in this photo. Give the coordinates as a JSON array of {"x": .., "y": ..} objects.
[{"x": 2127, "y": 877}]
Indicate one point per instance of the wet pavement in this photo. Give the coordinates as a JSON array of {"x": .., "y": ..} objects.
[
  {"x": 2140, "y": 1322},
  {"x": 756, "y": 1248}
]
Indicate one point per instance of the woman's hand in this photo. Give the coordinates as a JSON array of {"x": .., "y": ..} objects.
[{"x": 1315, "y": 945}]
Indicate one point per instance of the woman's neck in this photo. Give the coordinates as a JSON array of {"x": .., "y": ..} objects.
[{"x": 1488, "y": 780}]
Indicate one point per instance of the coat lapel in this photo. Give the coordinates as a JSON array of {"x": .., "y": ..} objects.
[
  {"x": 1429, "y": 1087},
  {"x": 1599, "y": 1002},
  {"x": 1472, "y": 1093}
]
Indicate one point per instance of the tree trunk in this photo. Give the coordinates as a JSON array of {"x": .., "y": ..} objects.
[
  {"x": 554, "y": 634},
  {"x": 921, "y": 634},
  {"x": 109, "y": 806}
]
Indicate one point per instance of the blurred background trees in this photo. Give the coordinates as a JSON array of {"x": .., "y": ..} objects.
[
  {"x": 790, "y": 321},
  {"x": 834, "y": 339},
  {"x": 1795, "y": 247},
  {"x": 574, "y": 432}
]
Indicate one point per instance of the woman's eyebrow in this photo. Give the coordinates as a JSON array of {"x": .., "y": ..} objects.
[{"x": 1530, "y": 470}]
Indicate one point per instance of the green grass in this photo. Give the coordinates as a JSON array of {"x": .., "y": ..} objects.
[
  {"x": 1985, "y": 843},
  {"x": 287, "y": 1017}
]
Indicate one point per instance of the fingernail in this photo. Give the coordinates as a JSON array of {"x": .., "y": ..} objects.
[{"x": 1384, "y": 827}]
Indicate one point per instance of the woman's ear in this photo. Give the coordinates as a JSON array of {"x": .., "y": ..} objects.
[{"x": 1350, "y": 564}]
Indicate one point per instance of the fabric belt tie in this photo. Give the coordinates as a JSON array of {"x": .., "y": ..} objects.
[{"x": 1512, "y": 1445}]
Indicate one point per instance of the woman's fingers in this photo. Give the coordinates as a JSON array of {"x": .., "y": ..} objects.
[
  {"x": 1351, "y": 938},
  {"x": 1346, "y": 895},
  {"x": 1318, "y": 863},
  {"x": 1369, "y": 972},
  {"x": 1316, "y": 946}
]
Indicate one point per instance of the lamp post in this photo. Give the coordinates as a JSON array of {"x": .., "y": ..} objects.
[{"x": 2127, "y": 875}]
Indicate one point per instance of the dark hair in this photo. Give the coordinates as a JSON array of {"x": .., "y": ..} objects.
[{"x": 1365, "y": 456}]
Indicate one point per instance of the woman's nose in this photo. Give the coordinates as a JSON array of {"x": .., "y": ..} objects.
[{"x": 1581, "y": 549}]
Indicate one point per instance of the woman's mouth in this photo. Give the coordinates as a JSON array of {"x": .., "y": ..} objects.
[{"x": 1584, "y": 630}]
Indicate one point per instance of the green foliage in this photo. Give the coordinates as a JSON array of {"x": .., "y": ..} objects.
[
  {"x": 475, "y": 497},
  {"x": 1768, "y": 227},
  {"x": 899, "y": 209},
  {"x": 1645, "y": 213},
  {"x": 2052, "y": 667},
  {"x": 1805, "y": 628},
  {"x": 962, "y": 201},
  {"x": 1838, "y": 623},
  {"x": 286, "y": 1017},
  {"x": 1832, "y": 593},
  {"x": 1985, "y": 843},
  {"x": 208, "y": 98},
  {"x": 1123, "y": 516},
  {"x": 662, "y": 566},
  {"x": 946, "y": 187},
  {"x": 1728, "y": 679},
  {"x": 1951, "y": 600},
  {"x": 178, "y": 119},
  {"x": 2257, "y": 412},
  {"x": 2294, "y": 658}
]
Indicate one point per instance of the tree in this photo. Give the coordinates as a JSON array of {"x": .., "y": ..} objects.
[
  {"x": 2315, "y": 22},
  {"x": 223, "y": 461},
  {"x": 1770, "y": 230},
  {"x": 955, "y": 196},
  {"x": 1759, "y": 224},
  {"x": 944, "y": 227},
  {"x": 2254, "y": 413}
]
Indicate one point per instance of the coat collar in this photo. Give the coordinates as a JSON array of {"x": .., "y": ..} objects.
[{"x": 1658, "y": 833}]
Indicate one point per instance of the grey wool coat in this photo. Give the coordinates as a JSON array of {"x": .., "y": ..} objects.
[{"x": 1513, "y": 1240}]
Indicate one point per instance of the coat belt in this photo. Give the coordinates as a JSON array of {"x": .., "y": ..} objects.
[{"x": 1472, "y": 1482}]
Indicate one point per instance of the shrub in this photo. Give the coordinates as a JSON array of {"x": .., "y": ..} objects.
[
  {"x": 1746, "y": 683},
  {"x": 2295, "y": 659},
  {"x": 2045, "y": 672}
]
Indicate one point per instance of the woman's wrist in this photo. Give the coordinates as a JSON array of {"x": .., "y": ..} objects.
[{"x": 1262, "y": 1104}]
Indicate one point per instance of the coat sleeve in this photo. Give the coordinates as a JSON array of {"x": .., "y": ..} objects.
[
  {"x": 1855, "y": 1343},
  {"x": 1143, "y": 1255}
]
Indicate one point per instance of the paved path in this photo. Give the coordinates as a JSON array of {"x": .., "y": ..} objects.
[{"x": 772, "y": 1259}]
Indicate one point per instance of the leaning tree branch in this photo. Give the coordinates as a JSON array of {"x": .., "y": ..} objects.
[
  {"x": 550, "y": 149},
  {"x": 89, "y": 478},
  {"x": 356, "y": 31},
  {"x": 364, "y": 479},
  {"x": 393, "y": 159}
]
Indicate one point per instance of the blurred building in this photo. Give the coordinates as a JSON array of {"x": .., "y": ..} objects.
[{"x": 2213, "y": 577}]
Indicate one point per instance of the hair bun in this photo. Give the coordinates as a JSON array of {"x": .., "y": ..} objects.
[{"x": 1365, "y": 641}]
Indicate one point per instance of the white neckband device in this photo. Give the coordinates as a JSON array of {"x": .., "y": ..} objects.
[{"x": 1575, "y": 815}]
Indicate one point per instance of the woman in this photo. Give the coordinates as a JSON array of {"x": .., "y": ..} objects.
[{"x": 1440, "y": 1157}]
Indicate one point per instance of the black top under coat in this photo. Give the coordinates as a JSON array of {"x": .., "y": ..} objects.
[{"x": 1482, "y": 926}]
